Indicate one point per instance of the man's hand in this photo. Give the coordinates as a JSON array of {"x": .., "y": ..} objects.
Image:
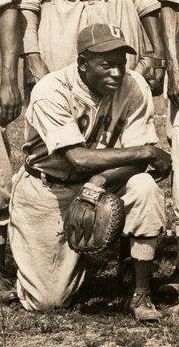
[
  {"x": 153, "y": 70},
  {"x": 173, "y": 86},
  {"x": 10, "y": 103},
  {"x": 35, "y": 69},
  {"x": 161, "y": 161},
  {"x": 99, "y": 180},
  {"x": 118, "y": 176}
]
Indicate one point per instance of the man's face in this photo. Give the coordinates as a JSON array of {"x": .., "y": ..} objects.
[{"x": 104, "y": 72}]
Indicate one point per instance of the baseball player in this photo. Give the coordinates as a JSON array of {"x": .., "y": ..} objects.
[
  {"x": 10, "y": 107},
  {"x": 170, "y": 21},
  {"x": 50, "y": 39},
  {"x": 73, "y": 137}
]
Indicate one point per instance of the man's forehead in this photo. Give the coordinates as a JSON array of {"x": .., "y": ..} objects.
[{"x": 113, "y": 56}]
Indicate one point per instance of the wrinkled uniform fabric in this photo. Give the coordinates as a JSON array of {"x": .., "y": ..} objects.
[
  {"x": 173, "y": 133},
  {"x": 64, "y": 112},
  {"x": 5, "y": 167},
  {"x": 62, "y": 20}
]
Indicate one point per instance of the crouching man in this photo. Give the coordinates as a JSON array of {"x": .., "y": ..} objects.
[{"x": 91, "y": 121}]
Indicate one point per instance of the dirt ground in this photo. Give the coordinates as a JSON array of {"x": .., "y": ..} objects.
[{"x": 98, "y": 316}]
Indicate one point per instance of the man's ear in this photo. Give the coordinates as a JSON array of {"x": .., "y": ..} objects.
[{"x": 82, "y": 63}]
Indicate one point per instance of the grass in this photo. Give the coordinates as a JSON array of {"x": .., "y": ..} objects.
[{"x": 97, "y": 317}]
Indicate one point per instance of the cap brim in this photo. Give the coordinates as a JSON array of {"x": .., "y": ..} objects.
[{"x": 110, "y": 46}]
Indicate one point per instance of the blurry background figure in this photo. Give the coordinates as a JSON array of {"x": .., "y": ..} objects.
[
  {"x": 10, "y": 108},
  {"x": 51, "y": 29},
  {"x": 170, "y": 23}
]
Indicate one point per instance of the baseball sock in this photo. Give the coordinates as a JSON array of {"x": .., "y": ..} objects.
[
  {"x": 142, "y": 276},
  {"x": 142, "y": 251}
]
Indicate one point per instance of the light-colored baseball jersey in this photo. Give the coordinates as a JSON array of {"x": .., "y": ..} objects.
[
  {"x": 63, "y": 112},
  {"x": 62, "y": 20}
]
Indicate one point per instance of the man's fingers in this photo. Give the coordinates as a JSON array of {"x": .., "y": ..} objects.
[
  {"x": 10, "y": 115},
  {"x": 159, "y": 74},
  {"x": 7, "y": 115},
  {"x": 29, "y": 76},
  {"x": 155, "y": 78}
]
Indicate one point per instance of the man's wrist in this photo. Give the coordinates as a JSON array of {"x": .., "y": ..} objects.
[{"x": 149, "y": 152}]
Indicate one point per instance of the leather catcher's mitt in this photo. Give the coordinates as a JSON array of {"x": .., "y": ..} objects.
[{"x": 94, "y": 220}]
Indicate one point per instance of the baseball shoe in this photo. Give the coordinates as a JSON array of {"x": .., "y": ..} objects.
[
  {"x": 143, "y": 309},
  {"x": 7, "y": 292}
]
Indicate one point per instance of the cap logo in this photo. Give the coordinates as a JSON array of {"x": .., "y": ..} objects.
[{"x": 115, "y": 31}]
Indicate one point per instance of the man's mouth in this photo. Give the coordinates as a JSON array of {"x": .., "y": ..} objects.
[{"x": 113, "y": 85}]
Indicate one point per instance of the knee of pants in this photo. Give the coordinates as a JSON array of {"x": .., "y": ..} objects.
[
  {"x": 40, "y": 299},
  {"x": 47, "y": 301},
  {"x": 144, "y": 186}
]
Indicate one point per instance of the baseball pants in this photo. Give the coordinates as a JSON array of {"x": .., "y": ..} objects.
[{"x": 49, "y": 273}]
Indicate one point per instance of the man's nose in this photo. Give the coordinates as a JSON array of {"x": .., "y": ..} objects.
[{"x": 115, "y": 72}]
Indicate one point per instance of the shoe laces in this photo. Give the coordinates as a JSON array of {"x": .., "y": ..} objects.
[{"x": 142, "y": 299}]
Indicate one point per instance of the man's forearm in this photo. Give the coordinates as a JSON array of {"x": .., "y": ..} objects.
[
  {"x": 10, "y": 43},
  {"x": 152, "y": 26},
  {"x": 98, "y": 160},
  {"x": 169, "y": 22},
  {"x": 117, "y": 176}
]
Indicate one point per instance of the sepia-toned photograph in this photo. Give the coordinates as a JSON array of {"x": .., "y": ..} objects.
[{"x": 89, "y": 173}]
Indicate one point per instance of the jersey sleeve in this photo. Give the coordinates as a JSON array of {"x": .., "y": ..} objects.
[
  {"x": 139, "y": 128},
  {"x": 31, "y": 9},
  {"x": 52, "y": 118},
  {"x": 145, "y": 7},
  {"x": 33, "y": 5}
]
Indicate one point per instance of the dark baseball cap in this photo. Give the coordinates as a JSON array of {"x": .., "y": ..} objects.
[{"x": 102, "y": 38}]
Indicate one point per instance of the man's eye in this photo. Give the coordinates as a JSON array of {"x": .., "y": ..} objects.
[{"x": 105, "y": 66}]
